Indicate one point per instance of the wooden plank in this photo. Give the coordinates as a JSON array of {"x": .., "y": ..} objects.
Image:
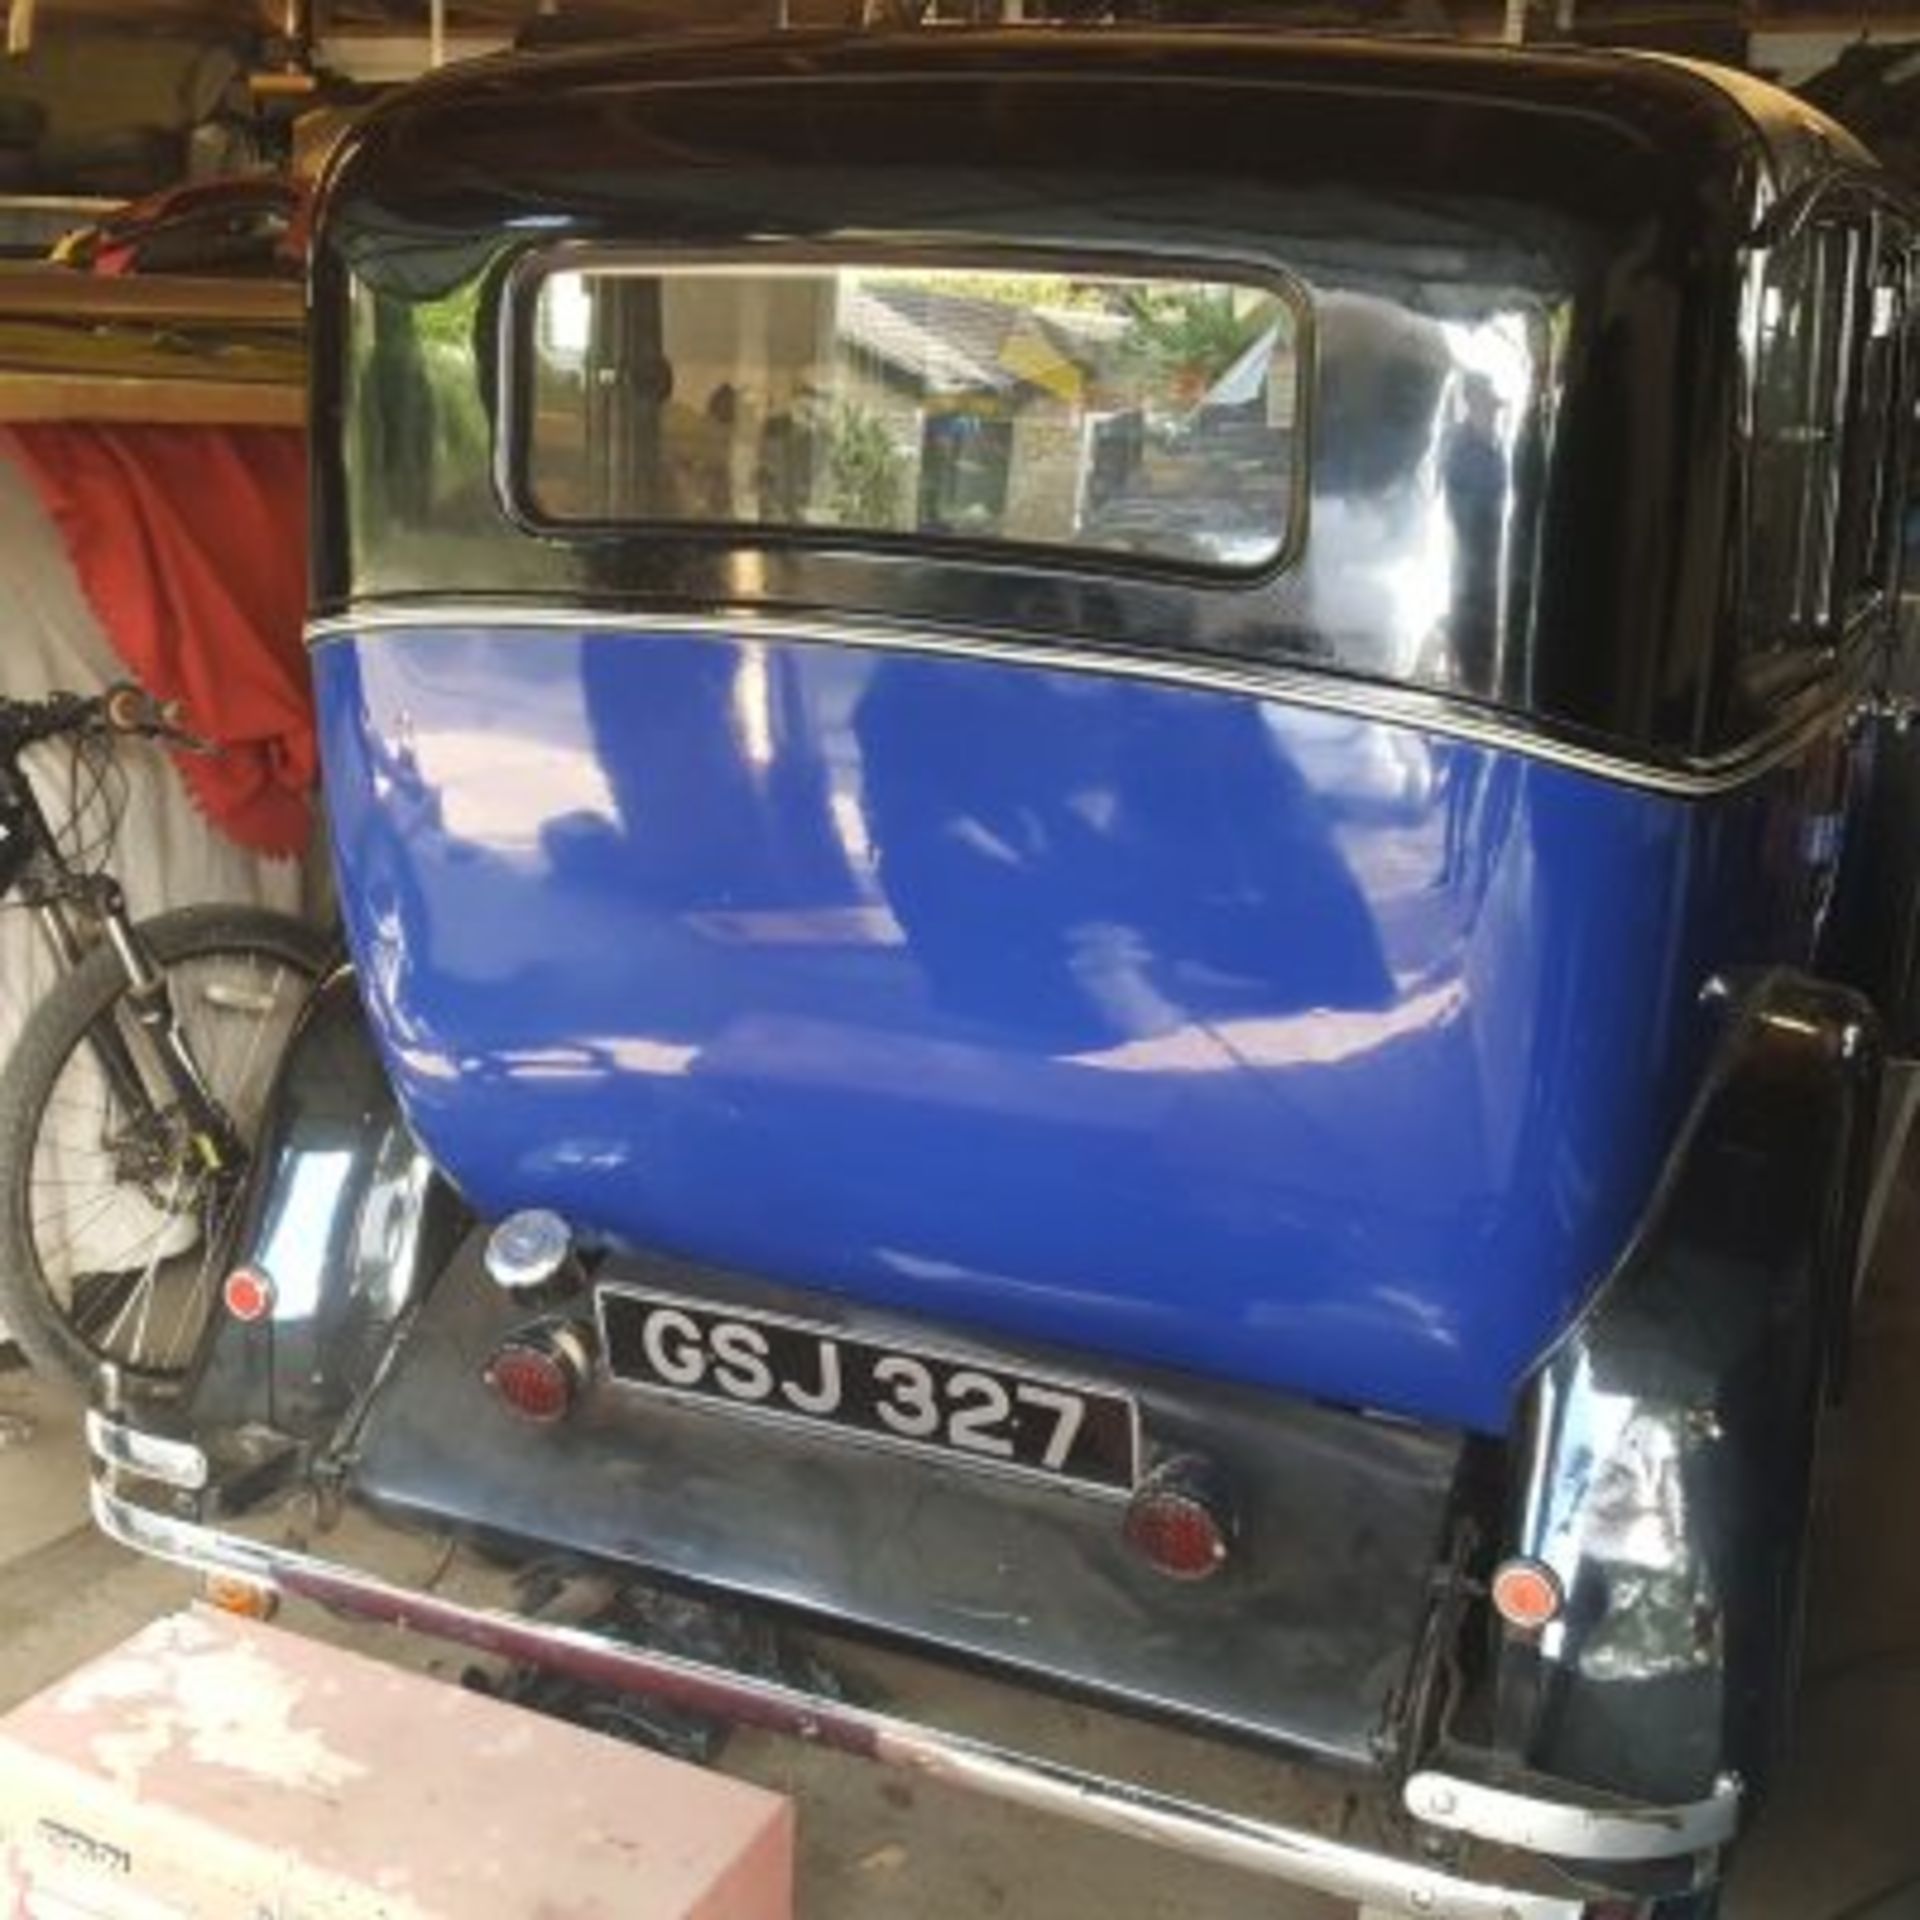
[
  {"x": 155, "y": 402},
  {"x": 162, "y": 349},
  {"x": 59, "y": 293}
]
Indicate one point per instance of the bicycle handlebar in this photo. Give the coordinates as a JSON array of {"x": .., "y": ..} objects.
[
  {"x": 131, "y": 709},
  {"x": 123, "y": 709}
]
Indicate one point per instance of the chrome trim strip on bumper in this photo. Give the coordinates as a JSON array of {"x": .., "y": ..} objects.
[
  {"x": 174, "y": 1463},
  {"x": 1379, "y": 1882},
  {"x": 1417, "y": 708},
  {"x": 1534, "y": 1825}
]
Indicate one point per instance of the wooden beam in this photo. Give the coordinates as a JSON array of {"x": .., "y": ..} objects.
[
  {"x": 60, "y": 293},
  {"x": 155, "y": 402}
]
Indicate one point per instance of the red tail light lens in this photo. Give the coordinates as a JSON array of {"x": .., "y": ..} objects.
[
  {"x": 538, "y": 1372},
  {"x": 248, "y": 1294},
  {"x": 1527, "y": 1594},
  {"x": 1180, "y": 1522}
]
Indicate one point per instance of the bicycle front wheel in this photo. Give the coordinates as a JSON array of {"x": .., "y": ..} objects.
[{"x": 112, "y": 1223}]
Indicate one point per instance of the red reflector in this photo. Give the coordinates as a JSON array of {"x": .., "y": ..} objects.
[
  {"x": 537, "y": 1375},
  {"x": 1179, "y": 1524},
  {"x": 248, "y": 1294},
  {"x": 1527, "y": 1594}
]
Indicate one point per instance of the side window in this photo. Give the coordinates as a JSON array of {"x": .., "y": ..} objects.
[
  {"x": 1865, "y": 562},
  {"x": 1822, "y": 514}
]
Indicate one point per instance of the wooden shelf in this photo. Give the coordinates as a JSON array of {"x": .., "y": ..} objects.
[{"x": 150, "y": 402}]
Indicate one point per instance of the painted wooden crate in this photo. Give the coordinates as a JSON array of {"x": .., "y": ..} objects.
[{"x": 219, "y": 1769}]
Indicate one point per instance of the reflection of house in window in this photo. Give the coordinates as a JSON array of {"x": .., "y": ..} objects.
[{"x": 985, "y": 393}]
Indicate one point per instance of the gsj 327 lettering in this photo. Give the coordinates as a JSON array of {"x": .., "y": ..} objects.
[{"x": 961, "y": 1409}]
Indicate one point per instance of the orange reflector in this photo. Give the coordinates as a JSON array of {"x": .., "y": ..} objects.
[
  {"x": 1527, "y": 1594},
  {"x": 248, "y": 1294},
  {"x": 250, "y": 1599}
]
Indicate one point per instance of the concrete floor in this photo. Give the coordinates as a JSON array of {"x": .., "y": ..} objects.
[{"x": 1844, "y": 1827}]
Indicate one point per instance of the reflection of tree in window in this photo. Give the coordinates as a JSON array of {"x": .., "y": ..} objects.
[
  {"x": 865, "y": 472},
  {"x": 1181, "y": 339}
]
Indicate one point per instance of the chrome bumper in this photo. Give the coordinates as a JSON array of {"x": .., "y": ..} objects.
[{"x": 137, "y": 1482}]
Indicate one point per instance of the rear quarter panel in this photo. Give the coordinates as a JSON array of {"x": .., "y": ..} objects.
[{"x": 1305, "y": 1050}]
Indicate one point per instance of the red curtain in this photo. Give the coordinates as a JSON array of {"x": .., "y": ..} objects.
[{"x": 190, "y": 544}]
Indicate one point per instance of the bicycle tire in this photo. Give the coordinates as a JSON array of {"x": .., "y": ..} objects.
[{"x": 30, "y": 1312}]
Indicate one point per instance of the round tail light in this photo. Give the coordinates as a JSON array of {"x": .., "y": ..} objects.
[
  {"x": 1527, "y": 1594},
  {"x": 538, "y": 1372},
  {"x": 1180, "y": 1522},
  {"x": 247, "y": 1294}
]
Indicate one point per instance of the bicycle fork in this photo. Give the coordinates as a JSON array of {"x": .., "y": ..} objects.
[{"x": 150, "y": 1002}]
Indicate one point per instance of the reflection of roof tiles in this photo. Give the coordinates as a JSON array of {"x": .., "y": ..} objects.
[{"x": 945, "y": 341}]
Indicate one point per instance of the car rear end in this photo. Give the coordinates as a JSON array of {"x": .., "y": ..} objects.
[{"x": 1008, "y": 995}]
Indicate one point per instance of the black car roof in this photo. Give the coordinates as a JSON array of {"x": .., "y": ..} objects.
[
  {"x": 1599, "y": 208},
  {"x": 1702, "y": 119}
]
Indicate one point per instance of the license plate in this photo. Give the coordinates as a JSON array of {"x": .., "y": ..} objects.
[{"x": 931, "y": 1403}]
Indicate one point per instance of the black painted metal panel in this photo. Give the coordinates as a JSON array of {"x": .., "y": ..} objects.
[{"x": 1305, "y": 1639}]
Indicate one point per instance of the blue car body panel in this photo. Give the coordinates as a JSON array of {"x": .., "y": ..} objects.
[{"x": 1160, "y": 1020}]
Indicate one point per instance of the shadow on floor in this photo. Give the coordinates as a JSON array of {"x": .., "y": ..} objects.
[{"x": 1844, "y": 1825}]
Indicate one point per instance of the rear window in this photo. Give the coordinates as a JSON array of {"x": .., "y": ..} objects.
[{"x": 1083, "y": 410}]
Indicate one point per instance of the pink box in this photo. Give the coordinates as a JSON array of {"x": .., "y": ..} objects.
[{"x": 213, "y": 1769}]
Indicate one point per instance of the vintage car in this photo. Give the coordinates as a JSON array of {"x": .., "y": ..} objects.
[{"x": 1128, "y": 873}]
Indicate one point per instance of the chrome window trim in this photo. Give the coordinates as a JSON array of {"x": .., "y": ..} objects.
[
  {"x": 1298, "y": 1856},
  {"x": 1322, "y": 692}
]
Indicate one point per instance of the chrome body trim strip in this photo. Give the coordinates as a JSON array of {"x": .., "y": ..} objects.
[
  {"x": 1378, "y": 1881},
  {"x": 1411, "y": 707},
  {"x": 174, "y": 1463},
  {"x": 1535, "y": 1825}
]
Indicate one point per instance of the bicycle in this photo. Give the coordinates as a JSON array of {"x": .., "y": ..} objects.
[{"x": 126, "y": 1106}]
